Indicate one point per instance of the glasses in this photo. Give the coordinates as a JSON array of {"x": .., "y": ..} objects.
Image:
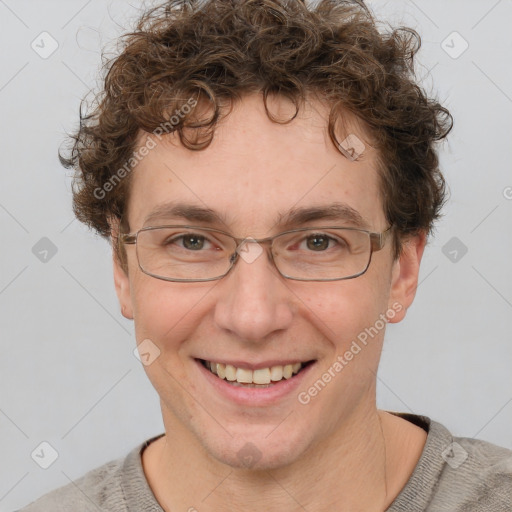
[{"x": 191, "y": 253}]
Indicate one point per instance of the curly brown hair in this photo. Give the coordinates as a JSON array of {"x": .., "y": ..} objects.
[{"x": 220, "y": 50}]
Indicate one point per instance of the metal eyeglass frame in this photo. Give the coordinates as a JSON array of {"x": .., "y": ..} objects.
[{"x": 377, "y": 241}]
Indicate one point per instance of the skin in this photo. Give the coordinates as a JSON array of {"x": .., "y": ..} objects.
[{"x": 338, "y": 451}]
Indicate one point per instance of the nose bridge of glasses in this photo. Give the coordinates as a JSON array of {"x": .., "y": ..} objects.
[
  {"x": 259, "y": 241},
  {"x": 249, "y": 248}
]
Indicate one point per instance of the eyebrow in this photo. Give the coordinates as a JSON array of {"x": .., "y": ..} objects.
[{"x": 296, "y": 216}]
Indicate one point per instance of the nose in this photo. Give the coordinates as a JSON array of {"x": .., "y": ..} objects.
[{"x": 253, "y": 299}]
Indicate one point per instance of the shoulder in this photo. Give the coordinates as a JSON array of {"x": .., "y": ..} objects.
[
  {"x": 480, "y": 471},
  {"x": 108, "y": 487},
  {"x": 456, "y": 474}
]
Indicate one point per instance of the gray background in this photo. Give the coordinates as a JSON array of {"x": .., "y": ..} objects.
[{"x": 68, "y": 375}]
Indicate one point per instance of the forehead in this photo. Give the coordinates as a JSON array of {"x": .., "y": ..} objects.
[{"x": 257, "y": 174}]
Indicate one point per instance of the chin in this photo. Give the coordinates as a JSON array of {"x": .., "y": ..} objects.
[{"x": 260, "y": 451}]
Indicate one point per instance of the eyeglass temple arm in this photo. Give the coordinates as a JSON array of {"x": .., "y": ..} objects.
[
  {"x": 127, "y": 238},
  {"x": 378, "y": 239}
]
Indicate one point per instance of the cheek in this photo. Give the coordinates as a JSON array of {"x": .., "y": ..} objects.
[
  {"x": 165, "y": 312},
  {"x": 342, "y": 310},
  {"x": 347, "y": 314},
  {"x": 168, "y": 315}
]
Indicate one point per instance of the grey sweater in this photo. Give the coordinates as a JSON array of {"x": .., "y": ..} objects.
[{"x": 453, "y": 474}]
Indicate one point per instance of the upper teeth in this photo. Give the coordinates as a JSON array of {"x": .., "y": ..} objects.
[{"x": 259, "y": 376}]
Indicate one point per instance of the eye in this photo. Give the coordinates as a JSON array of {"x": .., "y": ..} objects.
[
  {"x": 189, "y": 241},
  {"x": 320, "y": 242},
  {"x": 194, "y": 242}
]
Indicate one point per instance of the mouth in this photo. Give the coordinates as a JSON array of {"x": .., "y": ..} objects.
[{"x": 257, "y": 378}]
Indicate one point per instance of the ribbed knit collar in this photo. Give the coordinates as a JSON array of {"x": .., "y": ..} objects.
[{"x": 414, "y": 497}]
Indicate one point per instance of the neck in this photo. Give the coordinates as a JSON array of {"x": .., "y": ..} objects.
[{"x": 351, "y": 470}]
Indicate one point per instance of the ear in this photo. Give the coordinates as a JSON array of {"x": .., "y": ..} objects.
[
  {"x": 121, "y": 279},
  {"x": 404, "y": 276}
]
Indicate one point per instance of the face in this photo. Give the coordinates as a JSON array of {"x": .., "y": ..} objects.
[{"x": 253, "y": 174}]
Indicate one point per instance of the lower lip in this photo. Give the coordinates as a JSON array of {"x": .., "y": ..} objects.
[{"x": 255, "y": 396}]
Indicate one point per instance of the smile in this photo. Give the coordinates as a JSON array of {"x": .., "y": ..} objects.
[{"x": 261, "y": 377}]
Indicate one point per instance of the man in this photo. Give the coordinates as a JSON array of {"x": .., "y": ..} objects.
[{"x": 268, "y": 177}]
